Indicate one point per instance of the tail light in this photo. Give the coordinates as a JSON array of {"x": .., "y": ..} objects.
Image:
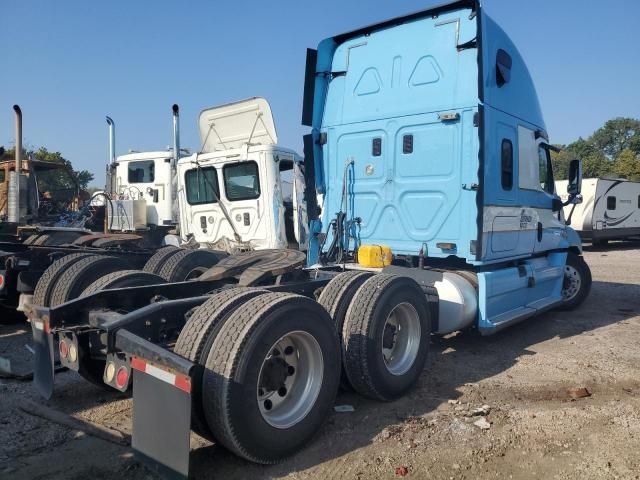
[
  {"x": 122, "y": 377},
  {"x": 63, "y": 348}
]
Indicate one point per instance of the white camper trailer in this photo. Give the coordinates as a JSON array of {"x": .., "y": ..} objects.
[{"x": 610, "y": 209}]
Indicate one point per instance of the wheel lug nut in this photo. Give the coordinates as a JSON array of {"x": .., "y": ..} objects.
[
  {"x": 290, "y": 370},
  {"x": 268, "y": 404},
  {"x": 282, "y": 391}
]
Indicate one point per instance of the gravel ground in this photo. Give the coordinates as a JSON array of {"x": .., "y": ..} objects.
[{"x": 520, "y": 385}]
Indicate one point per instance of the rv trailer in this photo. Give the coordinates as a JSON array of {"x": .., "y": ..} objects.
[{"x": 610, "y": 209}]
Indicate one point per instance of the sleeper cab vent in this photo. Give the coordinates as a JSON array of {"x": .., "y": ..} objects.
[
  {"x": 376, "y": 147},
  {"x": 407, "y": 144}
]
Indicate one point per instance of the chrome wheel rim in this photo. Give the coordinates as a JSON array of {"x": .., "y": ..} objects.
[
  {"x": 401, "y": 338},
  {"x": 290, "y": 379},
  {"x": 571, "y": 284}
]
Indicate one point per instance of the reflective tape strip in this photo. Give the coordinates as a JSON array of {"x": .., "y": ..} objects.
[{"x": 179, "y": 381}]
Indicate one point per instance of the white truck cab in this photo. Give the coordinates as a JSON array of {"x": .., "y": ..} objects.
[
  {"x": 146, "y": 176},
  {"x": 242, "y": 191}
]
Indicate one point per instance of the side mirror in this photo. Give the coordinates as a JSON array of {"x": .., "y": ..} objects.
[
  {"x": 575, "y": 178},
  {"x": 556, "y": 205}
]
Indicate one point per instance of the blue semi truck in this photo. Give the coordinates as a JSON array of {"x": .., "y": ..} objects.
[{"x": 432, "y": 209}]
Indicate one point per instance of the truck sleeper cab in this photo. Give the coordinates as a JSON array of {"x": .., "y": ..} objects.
[
  {"x": 242, "y": 191},
  {"x": 144, "y": 177},
  {"x": 445, "y": 157},
  {"x": 434, "y": 148}
]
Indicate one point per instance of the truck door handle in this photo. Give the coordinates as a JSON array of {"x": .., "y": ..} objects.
[
  {"x": 203, "y": 223},
  {"x": 539, "y": 231}
]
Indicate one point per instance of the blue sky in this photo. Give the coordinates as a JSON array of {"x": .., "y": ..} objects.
[{"x": 70, "y": 63}]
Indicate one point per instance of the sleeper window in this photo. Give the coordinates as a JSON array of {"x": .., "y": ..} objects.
[
  {"x": 201, "y": 184},
  {"x": 507, "y": 164},
  {"x": 141, "y": 172},
  {"x": 241, "y": 181}
]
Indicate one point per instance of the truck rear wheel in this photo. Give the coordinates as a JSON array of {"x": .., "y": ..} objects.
[
  {"x": 271, "y": 376},
  {"x": 336, "y": 298},
  {"x": 189, "y": 264},
  {"x": 158, "y": 259},
  {"x": 122, "y": 279},
  {"x": 197, "y": 336},
  {"x": 577, "y": 282},
  {"x": 386, "y": 336},
  {"x": 81, "y": 274},
  {"x": 48, "y": 280}
]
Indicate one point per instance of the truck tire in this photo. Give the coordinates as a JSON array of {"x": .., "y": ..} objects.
[
  {"x": 577, "y": 282},
  {"x": 386, "y": 336},
  {"x": 336, "y": 298},
  {"x": 121, "y": 279},
  {"x": 283, "y": 351},
  {"x": 197, "y": 336},
  {"x": 48, "y": 280},
  {"x": 81, "y": 274},
  {"x": 158, "y": 259},
  {"x": 189, "y": 264}
]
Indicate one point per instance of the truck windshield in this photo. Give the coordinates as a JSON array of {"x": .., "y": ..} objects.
[
  {"x": 241, "y": 181},
  {"x": 200, "y": 184},
  {"x": 141, "y": 172}
]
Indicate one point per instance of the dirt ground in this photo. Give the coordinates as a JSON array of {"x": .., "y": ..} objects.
[{"x": 523, "y": 377}]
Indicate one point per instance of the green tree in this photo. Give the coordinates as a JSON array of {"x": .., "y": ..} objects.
[
  {"x": 627, "y": 164},
  {"x": 594, "y": 161},
  {"x": 65, "y": 178},
  {"x": 617, "y": 135}
]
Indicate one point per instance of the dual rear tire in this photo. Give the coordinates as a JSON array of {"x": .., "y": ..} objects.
[
  {"x": 269, "y": 371},
  {"x": 269, "y": 363}
]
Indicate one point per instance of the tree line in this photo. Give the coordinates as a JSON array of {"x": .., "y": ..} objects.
[
  {"x": 613, "y": 150},
  {"x": 53, "y": 180}
]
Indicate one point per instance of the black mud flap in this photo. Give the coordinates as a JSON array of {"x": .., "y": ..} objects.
[
  {"x": 43, "y": 371},
  {"x": 161, "y": 422}
]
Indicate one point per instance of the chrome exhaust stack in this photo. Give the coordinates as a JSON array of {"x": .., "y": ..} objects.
[
  {"x": 14, "y": 190},
  {"x": 176, "y": 136},
  {"x": 112, "y": 155},
  {"x": 174, "y": 161}
]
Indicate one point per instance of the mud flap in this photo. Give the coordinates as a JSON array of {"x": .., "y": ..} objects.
[
  {"x": 161, "y": 424},
  {"x": 43, "y": 371}
]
